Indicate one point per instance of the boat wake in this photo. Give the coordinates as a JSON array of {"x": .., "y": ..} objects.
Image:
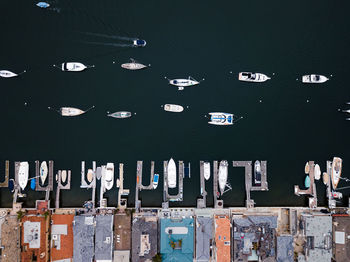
[
  {"x": 108, "y": 44},
  {"x": 125, "y": 38}
]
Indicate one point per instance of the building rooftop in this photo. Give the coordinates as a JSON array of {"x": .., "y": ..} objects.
[
  {"x": 83, "y": 230},
  {"x": 144, "y": 237},
  {"x": 176, "y": 239},
  {"x": 104, "y": 237},
  {"x": 122, "y": 231},
  {"x": 121, "y": 256},
  {"x": 10, "y": 239},
  {"x": 204, "y": 237},
  {"x": 61, "y": 237},
  {"x": 341, "y": 238},
  {"x": 223, "y": 238},
  {"x": 285, "y": 249}
]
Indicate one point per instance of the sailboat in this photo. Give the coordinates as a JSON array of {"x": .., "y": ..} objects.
[
  {"x": 336, "y": 171},
  {"x": 223, "y": 172},
  {"x": 317, "y": 172},
  {"x": 120, "y": 114},
  {"x": 133, "y": 65},
  {"x": 23, "y": 173},
  {"x": 7, "y": 74},
  {"x": 181, "y": 83},
  {"x": 43, "y": 172}
]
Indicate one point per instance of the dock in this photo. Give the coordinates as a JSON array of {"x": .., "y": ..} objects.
[
  {"x": 180, "y": 175},
  {"x": 16, "y": 187},
  {"x": 264, "y": 184},
  {"x": 7, "y": 174},
  {"x": 137, "y": 188},
  {"x": 331, "y": 201},
  {"x": 248, "y": 180},
  {"x": 202, "y": 202},
  {"x": 62, "y": 187},
  {"x": 49, "y": 186},
  {"x": 217, "y": 203},
  {"x": 122, "y": 202},
  {"x": 150, "y": 186}
]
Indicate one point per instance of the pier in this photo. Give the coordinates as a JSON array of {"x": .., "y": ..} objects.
[
  {"x": 84, "y": 184},
  {"x": 217, "y": 203},
  {"x": 7, "y": 174},
  {"x": 202, "y": 202},
  {"x": 122, "y": 202},
  {"x": 49, "y": 186},
  {"x": 180, "y": 175},
  {"x": 62, "y": 187},
  {"x": 331, "y": 201},
  {"x": 137, "y": 188},
  {"x": 150, "y": 186},
  {"x": 248, "y": 180},
  {"x": 16, "y": 187}
]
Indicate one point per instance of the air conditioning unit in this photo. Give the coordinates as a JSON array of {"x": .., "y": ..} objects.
[{"x": 55, "y": 237}]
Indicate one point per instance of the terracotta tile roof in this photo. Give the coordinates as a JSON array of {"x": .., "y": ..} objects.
[
  {"x": 223, "y": 238},
  {"x": 66, "y": 241}
]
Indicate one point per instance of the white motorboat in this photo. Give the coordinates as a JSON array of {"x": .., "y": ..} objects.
[
  {"x": 222, "y": 119},
  {"x": 43, "y": 172},
  {"x": 109, "y": 176},
  {"x": 23, "y": 173},
  {"x": 155, "y": 181},
  {"x": 252, "y": 77},
  {"x": 336, "y": 171},
  {"x": 139, "y": 43},
  {"x": 120, "y": 114},
  {"x": 223, "y": 171},
  {"x": 73, "y": 67},
  {"x": 7, "y": 74},
  {"x": 89, "y": 175},
  {"x": 133, "y": 65},
  {"x": 171, "y": 173},
  {"x": 173, "y": 108},
  {"x": 206, "y": 167},
  {"x": 181, "y": 83},
  {"x": 317, "y": 172},
  {"x": 71, "y": 111},
  {"x": 64, "y": 176},
  {"x": 314, "y": 79},
  {"x": 257, "y": 173}
]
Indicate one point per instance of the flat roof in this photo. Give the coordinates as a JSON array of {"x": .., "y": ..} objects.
[
  {"x": 285, "y": 249},
  {"x": 104, "y": 237},
  {"x": 10, "y": 239},
  {"x": 204, "y": 235},
  {"x": 83, "y": 244},
  {"x": 183, "y": 243},
  {"x": 62, "y": 227},
  {"x": 142, "y": 226},
  {"x": 122, "y": 231},
  {"x": 223, "y": 238},
  {"x": 121, "y": 256},
  {"x": 341, "y": 232}
]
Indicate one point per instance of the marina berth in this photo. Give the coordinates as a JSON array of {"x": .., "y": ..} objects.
[
  {"x": 223, "y": 172},
  {"x": 173, "y": 108},
  {"x": 23, "y": 173},
  {"x": 252, "y": 77},
  {"x": 171, "y": 173},
  {"x": 314, "y": 79}
]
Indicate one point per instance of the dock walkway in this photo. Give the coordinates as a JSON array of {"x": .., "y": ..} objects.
[
  {"x": 62, "y": 187},
  {"x": 202, "y": 202},
  {"x": 7, "y": 174}
]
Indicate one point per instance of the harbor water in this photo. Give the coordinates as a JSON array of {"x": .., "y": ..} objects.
[{"x": 284, "y": 121}]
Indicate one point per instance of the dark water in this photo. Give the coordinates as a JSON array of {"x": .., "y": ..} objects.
[{"x": 204, "y": 39}]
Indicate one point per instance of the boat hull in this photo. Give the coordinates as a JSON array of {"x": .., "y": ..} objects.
[
  {"x": 23, "y": 173},
  {"x": 336, "y": 171},
  {"x": 173, "y": 108},
  {"x": 257, "y": 173},
  {"x": 43, "y": 172},
  {"x": 252, "y": 77},
  {"x": 89, "y": 175},
  {"x": 206, "y": 169},
  {"x": 7, "y": 74},
  {"x": 64, "y": 176},
  {"x": 133, "y": 66},
  {"x": 155, "y": 181},
  {"x": 71, "y": 111},
  {"x": 183, "y": 82},
  {"x": 221, "y": 119},
  {"x": 314, "y": 79},
  {"x": 73, "y": 67},
  {"x": 120, "y": 114},
  {"x": 171, "y": 173},
  {"x": 109, "y": 176},
  {"x": 223, "y": 172},
  {"x": 317, "y": 172}
]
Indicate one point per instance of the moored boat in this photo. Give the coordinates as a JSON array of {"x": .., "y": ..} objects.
[
  {"x": 7, "y": 74},
  {"x": 73, "y": 67},
  {"x": 89, "y": 175},
  {"x": 307, "y": 181},
  {"x": 222, "y": 119},
  {"x": 71, "y": 111},
  {"x": 181, "y": 82},
  {"x": 325, "y": 178},
  {"x": 337, "y": 195},
  {"x": 23, "y": 173},
  {"x": 43, "y": 5},
  {"x": 317, "y": 172},
  {"x": 223, "y": 172},
  {"x": 120, "y": 114},
  {"x": 257, "y": 173},
  {"x": 133, "y": 65},
  {"x": 171, "y": 173},
  {"x": 43, "y": 172},
  {"x": 64, "y": 176},
  {"x": 33, "y": 183},
  {"x": 307, "y": 168},
  {"x": 173, "y": 108},
  {"x": 109, "y": 176},
  {"x": 336, "y": 171},
  {"x": 155, "y": 181},
  {"x": 314, "y": 79},
  {"x": 252, "y": 77},
  {"x": 206, "y": 169}
]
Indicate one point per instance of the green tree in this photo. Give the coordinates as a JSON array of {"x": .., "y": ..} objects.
[
  {"x": 157, "y": 258},
  {"x": 20, "y": 214}
]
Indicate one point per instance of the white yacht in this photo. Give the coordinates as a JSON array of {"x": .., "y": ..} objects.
[
  {"x": 7, "y": 74},
  {"x": 109, "y": 176},
  {"x": 23, "y": 173},
  {"x": 257, "y": 173},
  {"x": 222, "y": 119},
  {"x": 223, "y": 175},
  {"x": 133, "y": 65},
  {"x": 173, "y": 108},
  {"x": 64, "y": 176},
  {"x": 252, "y": 77},
  {"x": 206, "y": 167},
  {"x": 336, "y": 171},
  {"x": 73, "y": 67},
  {"x": 71, "y": 111},
  {"x": 43, "y": 172},
  {"x": 316, "y": 79},
  {"x": 171, "y": 173},
  {"x": 181, "y": 83},
  {"x": 317, "y": 172}
]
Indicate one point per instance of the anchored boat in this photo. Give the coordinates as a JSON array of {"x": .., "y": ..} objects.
[
  {"x": 43, "y": 172},
  {"x": 252, "y": 77},
  {"x": 133, "y": 65},
  {"x": 223, "y": 175},
  {"x": 206, "y": 167},
  {"x": 7, "y": 74},
  {"x": 171, "y": 174},
  {"x": 73, "y": 67},
  {"x": 336, "y": 171},
  {"x": 23, "y": 173},
  {"x": 181, "y": 83},
  {"x": 257, "y": 173},
  {"x": 139, "y": 43},
  {"x": 109, "y": 176},
  {"x": 314, "y": 79},
  {"x": 222, "y": 119},
  {"x": 43, "y": 5},
  {"x": 120, "y": 114},
  {"x": 173, "y": 108},
  {"x": 155, "y": 181},
  {"x": 72, "y": 111}
]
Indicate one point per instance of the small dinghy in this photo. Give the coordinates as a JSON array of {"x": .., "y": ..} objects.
[
  {"x": 314, "y": 79},
  {"x": 325, "y": 178},
  {"x": 64, "y": 176},
  {"x": 133, "y": 65},
  {"x": 317, "y": 172},
  {"x": 43, "y": 172},
  {"x": 120, "y": 114},
  {"x": 89, "y": 175},
  {"x": 307, "y": 168},
  {"x": 181, "y": 83},
  {"x": 252, "y": 77},
  {"x": 139, "y": 43},
  {"x": 7, "y": 74},
  {"x": 307, "y": 181},
  {"x": 173, "y": 108},
  {"x": 43, "y": 5},
  {"x": 32, "y": 183},
  {"x": 73, "y": 67}
]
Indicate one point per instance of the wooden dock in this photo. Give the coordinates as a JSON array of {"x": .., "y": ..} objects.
[
  {"x": 150, "y": 186},
  {"x": 122, "y": 202},
  {"x": 62, "y": 187},
  {"x": 202, "y": 202},
  {"x": 248, "y": 180},
  {"x": 7, "y": 174},
  {"x": 137, "y": 188}
]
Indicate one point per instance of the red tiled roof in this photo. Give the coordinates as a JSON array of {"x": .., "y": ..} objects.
[
  {"x": 223, "y": 238},
  {"x": 66, "y": 250}
]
